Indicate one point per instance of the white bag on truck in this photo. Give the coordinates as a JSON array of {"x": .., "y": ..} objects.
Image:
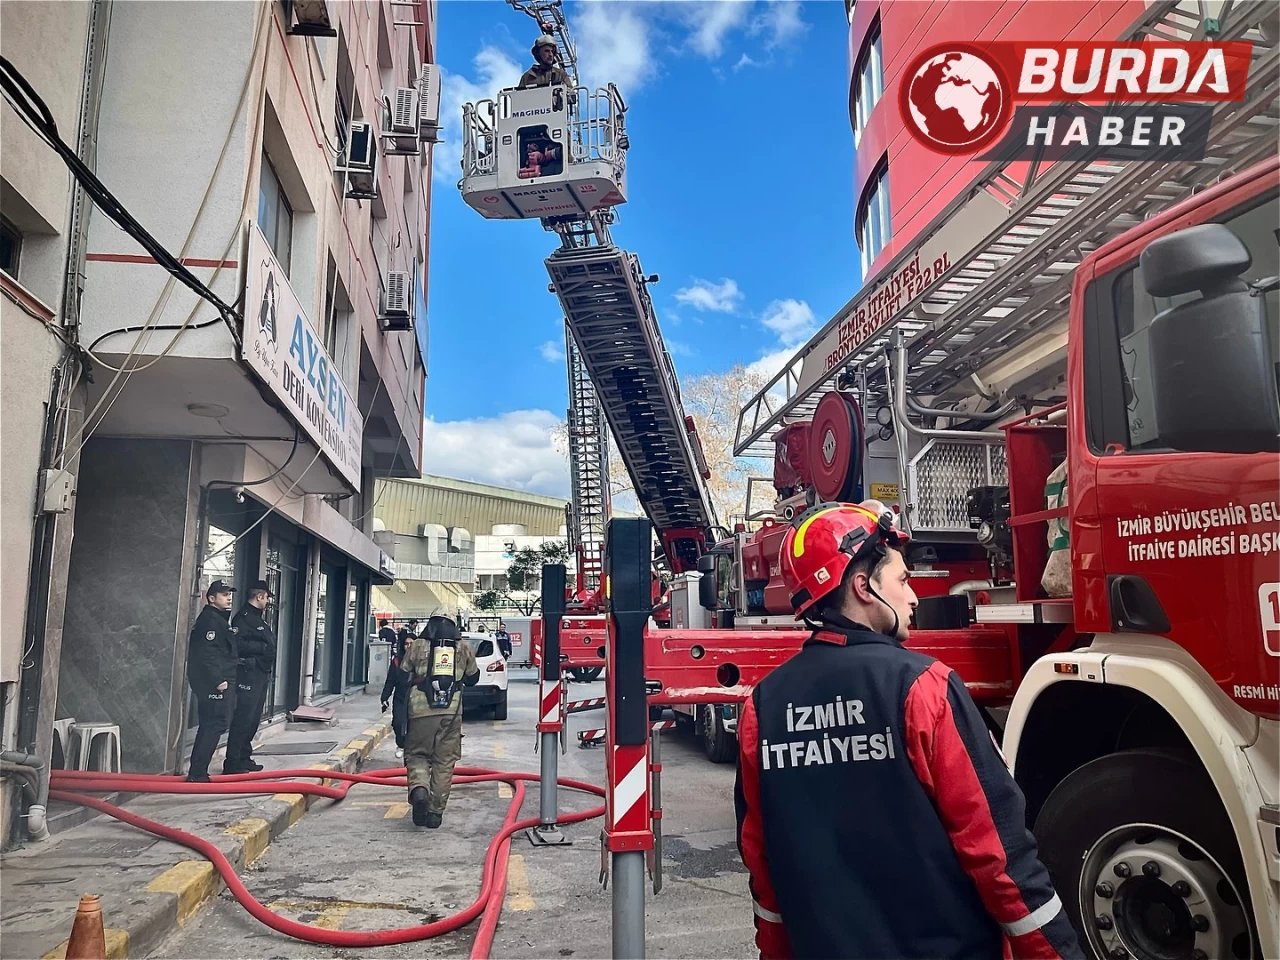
[{"x": 1057, "y": 570}]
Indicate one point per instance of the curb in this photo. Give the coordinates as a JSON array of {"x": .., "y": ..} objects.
[{"x": 190, "y": 884}]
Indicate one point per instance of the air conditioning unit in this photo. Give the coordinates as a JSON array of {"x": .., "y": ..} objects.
[
  {"x": 401, "y": 126},
  {"x": 429, "y": 103},
  {"x": 311, "y": 19},
  {"x": 397, "y": 305},
  {"x": 361, "y": 161}
]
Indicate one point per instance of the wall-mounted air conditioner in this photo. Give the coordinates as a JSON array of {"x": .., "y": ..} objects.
[
  {"x": 361, "y": 161},
  {"x": 311, "y": 19},
  {"x": 401, "y": 123},
  {"x": 429, "y": 103},
  {"x": 397, "y": 303}
]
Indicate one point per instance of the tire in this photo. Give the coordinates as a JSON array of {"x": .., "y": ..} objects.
[
  {"x": 1145, "y": 807},
  {"x": 718, "y": 744},
  {"x": 500, "y": 708},
  {"x": 585, "y": 674}
]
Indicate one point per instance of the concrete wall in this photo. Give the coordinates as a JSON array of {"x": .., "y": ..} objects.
[{"x": 128, "y": 604}]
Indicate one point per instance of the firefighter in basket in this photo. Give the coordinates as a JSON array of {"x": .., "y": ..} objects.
[
  {"x": 876, "y": 817},
  {"x": 544, "y": 72},
  {"x": 436, "y": 668}
]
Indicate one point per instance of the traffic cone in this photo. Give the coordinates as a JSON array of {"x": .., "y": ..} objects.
[{"x": 88, "y": 938}]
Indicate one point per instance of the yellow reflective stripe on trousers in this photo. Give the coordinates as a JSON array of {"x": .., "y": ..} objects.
[
  {"x": 1034, "y": 920},
  {"x": 764, "y": 914}
]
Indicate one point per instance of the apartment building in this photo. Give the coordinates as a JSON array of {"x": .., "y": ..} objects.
[{"x": 280, "y": 150}]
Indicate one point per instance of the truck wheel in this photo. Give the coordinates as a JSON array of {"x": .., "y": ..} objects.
[
  {"x": 719, "y": 745},
  {"x": 585, "y": 674},
  {"x": 500, "y": 708},
  {"x": 1145, "y": 861}
]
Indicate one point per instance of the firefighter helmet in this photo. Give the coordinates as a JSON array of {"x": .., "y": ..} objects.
[
  {"x": 546, "y": 40},
  {"x": 824, "y": 540}
]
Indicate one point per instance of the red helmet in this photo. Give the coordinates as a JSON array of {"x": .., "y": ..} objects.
[{"x": 823, "y": 541}]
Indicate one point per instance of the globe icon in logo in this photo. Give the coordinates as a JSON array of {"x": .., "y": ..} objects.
[{"x": 955, "y": 100}]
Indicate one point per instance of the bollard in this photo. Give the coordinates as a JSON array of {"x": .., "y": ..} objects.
[
  {"x": 551, "y": 710},
  {"x": 655, "y": 816},
  {"x": 628, "y": 833},
  {"x": 88, "y": 939}
]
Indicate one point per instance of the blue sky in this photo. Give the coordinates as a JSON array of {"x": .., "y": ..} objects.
[{"x": 740, "y": 198}]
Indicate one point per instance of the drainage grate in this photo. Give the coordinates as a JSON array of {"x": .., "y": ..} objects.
[{"x": 295, "y": 749}]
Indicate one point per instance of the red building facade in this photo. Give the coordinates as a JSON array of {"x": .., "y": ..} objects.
[{"x": 901, "y": 186}]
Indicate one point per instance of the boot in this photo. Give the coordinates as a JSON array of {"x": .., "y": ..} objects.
[
  {"x": 198, "y": 778},
  {"x": 433, "y": 820},
  {"x": 252, "y": 766},
  {"x": 418, "y": 797}
]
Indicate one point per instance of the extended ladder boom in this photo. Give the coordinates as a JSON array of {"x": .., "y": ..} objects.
[{"x": 609, "y": 312}]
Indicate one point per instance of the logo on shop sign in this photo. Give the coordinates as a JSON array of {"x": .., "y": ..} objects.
[{"x": 268, "y": 308}]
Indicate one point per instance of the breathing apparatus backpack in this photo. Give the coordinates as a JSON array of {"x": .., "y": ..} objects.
[{"x": 441, "y": 679}]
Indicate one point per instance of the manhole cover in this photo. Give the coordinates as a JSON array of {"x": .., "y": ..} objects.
[{"x": 295, "y": 748}]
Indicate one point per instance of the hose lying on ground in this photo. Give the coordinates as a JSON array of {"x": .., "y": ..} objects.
[{"x": 68, "y": 784}]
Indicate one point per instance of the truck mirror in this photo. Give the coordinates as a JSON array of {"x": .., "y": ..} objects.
[
  {"x": 707, "y": 598},
  {"x": 1214, "y": 381},
  {"x": 707, "y": 563}
]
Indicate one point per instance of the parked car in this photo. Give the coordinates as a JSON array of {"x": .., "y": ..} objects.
[{"x": 491, "y": 691}]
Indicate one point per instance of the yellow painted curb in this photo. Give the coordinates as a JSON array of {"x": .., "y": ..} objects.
[
  {"x": 297, "y": 805},
  {"x": 376, "y": 733},
  {"x": 191, "y": 881},
  {"x": 256, "y": 834},
  {"x": 362, "y": 746},
  {"x": 117, "y": 946}
]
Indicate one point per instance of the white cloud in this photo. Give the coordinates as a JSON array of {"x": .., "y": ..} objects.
[
  {"x": 678, "y": 348},
  {"x": 792, "y": 320},
  {"x": 779, "y": 22},
  {"x": 771, "y": 362},
  {"x": 612, "y": 40},
  {"x": 551, "y": 351},
  {"x": 710, "y": 21},
  {"x": 744, "y": 61},
  {"x": 722, "y": 297},
  {"x": 514, "y": 450},
  {"x": 494, "y": 69}
]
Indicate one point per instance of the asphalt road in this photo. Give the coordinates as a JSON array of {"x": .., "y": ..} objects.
[{"x": 362, "y": 865}]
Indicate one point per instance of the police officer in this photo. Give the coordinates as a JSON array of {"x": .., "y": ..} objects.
[
  {"x": 504, "y": 640},
  {"x": 434, "y": 743},
  {"x": 211, "y": 669},
  {"x": 544, "y": 72},
  {"x": 256, "y": 646},
  {"x": 876, "y": 817}
]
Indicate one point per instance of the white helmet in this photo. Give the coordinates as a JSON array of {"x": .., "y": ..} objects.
[{"x": 546, "y": 40}]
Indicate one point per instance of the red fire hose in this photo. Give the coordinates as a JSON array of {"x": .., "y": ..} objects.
[{"x": 67, "y": 784}]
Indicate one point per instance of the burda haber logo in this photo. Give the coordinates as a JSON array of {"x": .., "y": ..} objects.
[{"x": 1070, "y": 101}]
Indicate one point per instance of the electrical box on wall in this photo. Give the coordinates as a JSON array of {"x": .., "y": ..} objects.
[{"x": 58, "y": 491}]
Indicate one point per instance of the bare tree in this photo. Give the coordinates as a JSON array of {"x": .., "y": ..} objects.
[{"x": 714, "y": 401}]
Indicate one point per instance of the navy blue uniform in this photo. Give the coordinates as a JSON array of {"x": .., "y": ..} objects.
[
  {"x": 877, "y": 818},
  {"x": 211, "y": 661}
]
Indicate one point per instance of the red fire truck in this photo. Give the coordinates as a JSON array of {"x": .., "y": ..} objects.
[{"x": 1143, "y": 698}]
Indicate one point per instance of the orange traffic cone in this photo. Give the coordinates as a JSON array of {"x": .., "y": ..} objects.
[{"x": 88, "y": 938}]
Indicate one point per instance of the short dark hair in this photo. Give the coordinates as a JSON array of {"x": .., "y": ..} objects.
[
  {"x": 870, "y": 565},
  {"x": 256, "y": 592}
]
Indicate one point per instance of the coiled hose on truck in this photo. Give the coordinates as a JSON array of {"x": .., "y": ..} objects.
[{"x": 71, "y": 786}]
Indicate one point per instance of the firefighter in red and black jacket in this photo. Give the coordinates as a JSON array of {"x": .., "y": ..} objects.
[{"x": 875, "y": 815}]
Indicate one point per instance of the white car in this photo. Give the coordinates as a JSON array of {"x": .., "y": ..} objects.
[{"x": 491, "y": 691}]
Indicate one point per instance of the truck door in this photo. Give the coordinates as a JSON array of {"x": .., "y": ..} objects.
[{"x": 1193, "y": 537}]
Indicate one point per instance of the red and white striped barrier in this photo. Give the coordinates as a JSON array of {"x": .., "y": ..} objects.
[
  {"x": 593, "y": 738},
  {"x": 628, "y": 798},
  {"x": 581, "y": 706}
]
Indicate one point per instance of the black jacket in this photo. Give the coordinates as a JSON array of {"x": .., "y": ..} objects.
[
  {"x": 255, "y": 641},
  {"x": 211, "y": 651},
  {"x": 877, "y": 819}
]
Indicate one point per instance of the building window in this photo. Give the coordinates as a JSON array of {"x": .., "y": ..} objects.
[
  {"x": 10, "y": 247},
  {"x": 874, "y": 224},
  {"x": 275, "y": 216},
  {"x": 870, "y": 82}
]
